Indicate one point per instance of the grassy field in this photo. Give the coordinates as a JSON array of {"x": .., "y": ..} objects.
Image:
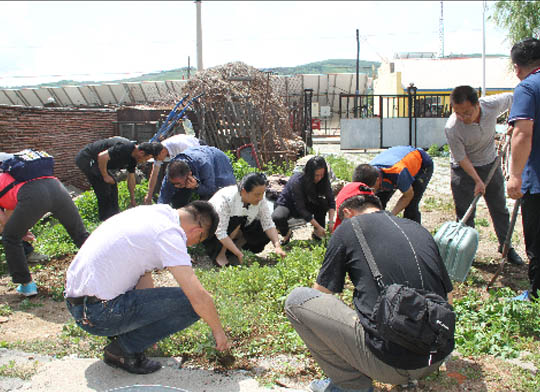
[{"x": 494, "y": 336}]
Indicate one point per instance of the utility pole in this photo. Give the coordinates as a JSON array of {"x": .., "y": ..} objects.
[
  {"x": 199, "y": 36},
  {"x": 357, "y": 74},
  {"x": 483, "y": 48},
  {"x": 441, "y": 33}
]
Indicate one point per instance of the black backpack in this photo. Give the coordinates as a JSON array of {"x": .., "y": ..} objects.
[{"x": 421, "y": 321}]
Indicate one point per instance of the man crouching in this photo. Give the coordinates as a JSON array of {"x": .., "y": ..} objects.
[
  {"x": 344, "y": 341},
  {"x": 110, "y": 290}
]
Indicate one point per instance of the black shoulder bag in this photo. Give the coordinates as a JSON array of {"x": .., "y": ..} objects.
[{"x": 419, "y": 320}]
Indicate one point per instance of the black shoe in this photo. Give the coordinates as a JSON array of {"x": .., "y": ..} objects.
[
  {"x": 514, "y": 258},
  {"x": 137, "y": 363}
]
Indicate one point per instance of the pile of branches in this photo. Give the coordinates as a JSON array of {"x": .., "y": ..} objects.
[{"x": 239, "y": 83}]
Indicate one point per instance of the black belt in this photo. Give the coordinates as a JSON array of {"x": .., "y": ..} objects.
[{"x": 80, "y": 300}]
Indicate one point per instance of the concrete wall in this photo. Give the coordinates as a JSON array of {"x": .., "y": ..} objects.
[
  {"x": 61, "y": 132},
  {"x": 365, "y": 133}
]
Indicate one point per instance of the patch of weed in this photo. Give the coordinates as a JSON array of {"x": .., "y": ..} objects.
[
  {"x": 27, "y": 304},
  {"x": 14, "y": 370},
  {"x": 496, "y": 325},
  {"x": 5, "y": 310}
]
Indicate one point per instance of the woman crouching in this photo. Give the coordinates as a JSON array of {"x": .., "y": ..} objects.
[{"x": 245, "y": 221}]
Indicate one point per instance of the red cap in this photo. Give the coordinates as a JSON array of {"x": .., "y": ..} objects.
[{"x": 350, "y": 190}]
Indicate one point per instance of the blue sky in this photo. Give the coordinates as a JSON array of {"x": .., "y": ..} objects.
[{"x": 102, "y": 40}]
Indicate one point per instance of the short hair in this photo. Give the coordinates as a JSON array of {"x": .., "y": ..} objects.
[
  {"x": 178, "y": 169},
  {"x": 153, "y": 148},
  {"x": 526, "y": 52},
  {"x": 461, "y": 94},
  {"x": 252, "y": 180},
  {"x": 205, "y": 213},
  {"x": 366, "y": 173},
  {"x": 359, "y": 203}
]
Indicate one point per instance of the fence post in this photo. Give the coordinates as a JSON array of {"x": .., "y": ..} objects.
[{"x": 411, "y": 90}]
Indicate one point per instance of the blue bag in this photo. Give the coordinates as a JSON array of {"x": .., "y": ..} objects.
[{"x": 27, "y": 165}]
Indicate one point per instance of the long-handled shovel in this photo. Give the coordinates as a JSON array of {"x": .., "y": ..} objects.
[{"x": 507, "y": 240}]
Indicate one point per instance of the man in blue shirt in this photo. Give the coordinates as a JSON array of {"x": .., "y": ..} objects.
[
  {"x": 524, "y": 181},
  {"x": 202, "y": 169}
]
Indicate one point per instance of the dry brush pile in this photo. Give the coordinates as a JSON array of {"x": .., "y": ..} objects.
[{"x": 238, "y": 105}]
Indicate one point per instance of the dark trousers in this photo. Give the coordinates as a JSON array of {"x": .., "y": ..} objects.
[
  {"x": 463, "y": 192},
  {"x": 412, "y": 211},
  {"x": 530, "y": 215},
  {"x": 256, "y": 238},
  {"x": 281, "y": 216},
  {"x": 106, "y": 194},
  {"x": 34, "y": 200}
]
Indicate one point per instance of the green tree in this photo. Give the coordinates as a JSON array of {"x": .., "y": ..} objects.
[{"x": 520, "y": 18}]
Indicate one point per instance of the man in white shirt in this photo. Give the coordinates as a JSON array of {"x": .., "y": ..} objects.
[
  {"x": 470, "y": 132},
  {"x": 173, "y": 146},
  {"x": 110, "y": 290}
]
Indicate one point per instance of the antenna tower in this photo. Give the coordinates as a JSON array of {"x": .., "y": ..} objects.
[{"x": 441, "y": 33}]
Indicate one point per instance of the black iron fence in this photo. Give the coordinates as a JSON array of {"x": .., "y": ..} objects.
[{"x": 394, "y": 106}]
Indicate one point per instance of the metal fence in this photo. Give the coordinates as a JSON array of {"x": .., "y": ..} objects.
[{"x": 394, "y": 106}]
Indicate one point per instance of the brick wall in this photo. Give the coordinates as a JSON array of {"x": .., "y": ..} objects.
[{"x": 62, "y": 132}]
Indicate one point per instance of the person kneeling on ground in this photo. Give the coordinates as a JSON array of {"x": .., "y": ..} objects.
[
  {"x": 344, "y": 341},
  {"x": 110, "y": 290},
  {"x": 244, "y": 220},
  {"x": 307, "y": 195}
]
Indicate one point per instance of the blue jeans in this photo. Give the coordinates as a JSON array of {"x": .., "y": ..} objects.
[{"x": 139, "y": 318}]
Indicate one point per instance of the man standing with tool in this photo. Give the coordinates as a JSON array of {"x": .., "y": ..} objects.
[
  {"x": 470, "y": 132},
  {"x": 524, "y": 181}
]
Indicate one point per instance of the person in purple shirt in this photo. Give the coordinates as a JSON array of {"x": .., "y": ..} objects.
[{"x": 524, "y": 180}]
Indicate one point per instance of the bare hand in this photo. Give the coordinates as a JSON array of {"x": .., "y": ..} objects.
[
  {"x": 148, "y": 199},
  {"x": 479, "y": 187},
  {"x": 191, "y": 182},
  {"x": 222, "y": 343},
  {"x": 109, "y": 180},
  {"x": 29, "y": 236},
  {"x": 513, "y": 187},
  {"x": 280, "y": 252},
  {"x": 510, "y": 130}
]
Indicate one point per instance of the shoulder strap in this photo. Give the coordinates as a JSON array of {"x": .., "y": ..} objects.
[
  {"x": 8, "y": 188},
  {"x": 367, "y": 253}
]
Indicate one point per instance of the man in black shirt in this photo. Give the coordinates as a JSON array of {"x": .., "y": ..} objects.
[
  {"x": 344, "y": 341},
  {"x": 97, "y": 158}
]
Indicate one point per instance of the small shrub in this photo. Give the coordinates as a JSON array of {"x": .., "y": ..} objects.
[
  {"x": 240, "y": 166},
  {"x": 341, "y": 166}
]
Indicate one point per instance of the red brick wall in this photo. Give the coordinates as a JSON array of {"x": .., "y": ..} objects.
[{"x": 62, "y": 132}]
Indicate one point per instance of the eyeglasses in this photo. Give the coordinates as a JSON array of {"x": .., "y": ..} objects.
[
  {"x": 178, "y": 182},
  {"x": 202, "y": 231}
]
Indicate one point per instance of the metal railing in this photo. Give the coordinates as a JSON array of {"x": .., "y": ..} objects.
[{"x": 394, "y": 106}]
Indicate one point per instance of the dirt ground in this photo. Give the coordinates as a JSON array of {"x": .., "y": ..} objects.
[{"x": 42, "y": 318}]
